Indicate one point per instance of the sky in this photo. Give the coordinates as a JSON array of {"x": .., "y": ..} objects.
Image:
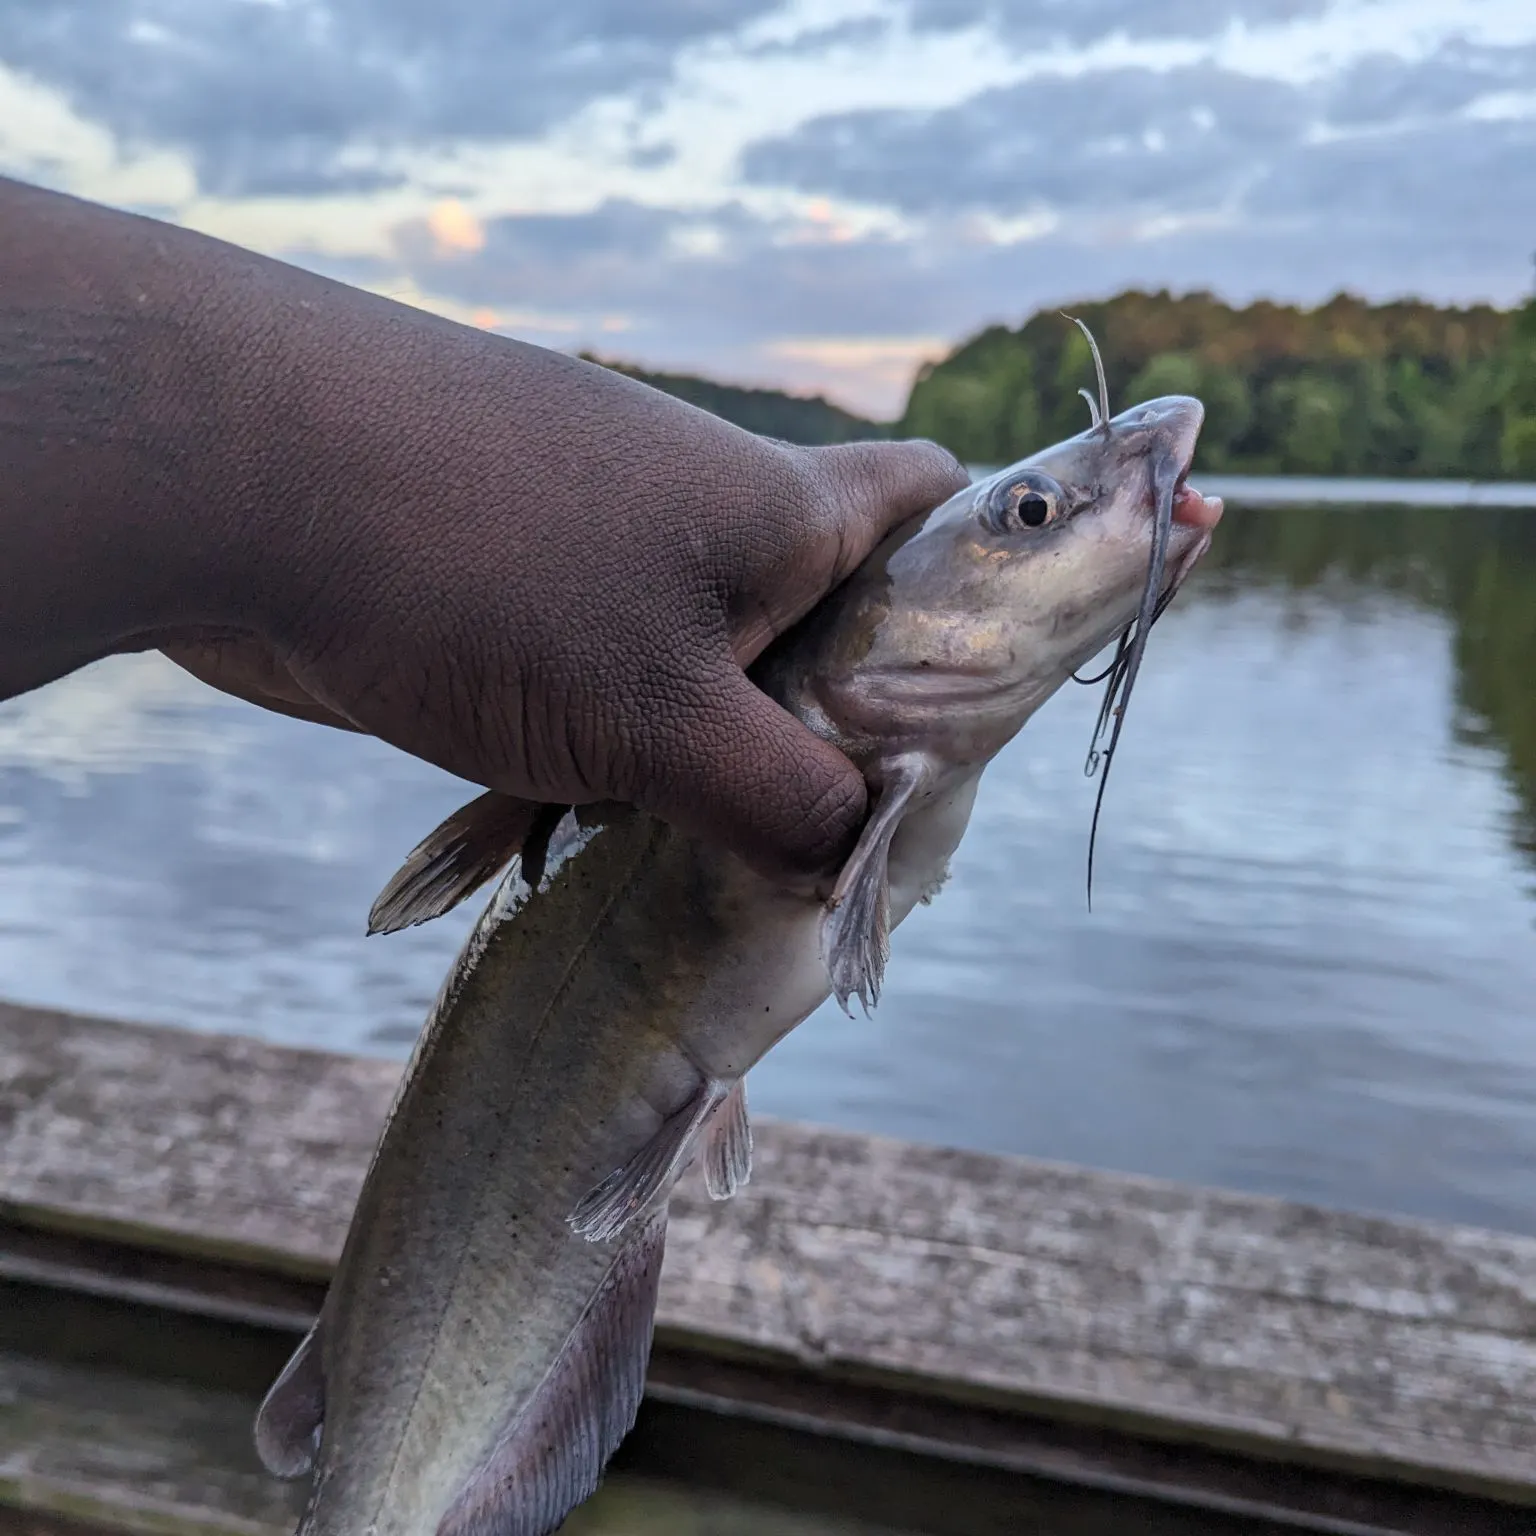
[{"x": 819, "y": 194}]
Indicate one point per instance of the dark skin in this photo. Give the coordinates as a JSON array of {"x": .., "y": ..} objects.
[{"x": 526, "y": 569}]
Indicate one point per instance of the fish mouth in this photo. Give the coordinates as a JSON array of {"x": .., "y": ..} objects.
[
  {"x": 1193, "y": 518},
  {"x": 1166, "y": 431},
  {"x": 1192, "y": 508},
  {"x": 1182, "y": 420}
]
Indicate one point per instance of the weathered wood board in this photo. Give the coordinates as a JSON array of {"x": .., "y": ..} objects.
[
  {"x": 1394, "y": 1348},
  {"x": 160, "y": 1459},
  {"x": 151, "y": 1458}
]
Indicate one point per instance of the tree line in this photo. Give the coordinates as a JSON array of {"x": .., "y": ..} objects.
[
  {"x": 1347, "y": 388},
  {"x": 809, "y": 419}
]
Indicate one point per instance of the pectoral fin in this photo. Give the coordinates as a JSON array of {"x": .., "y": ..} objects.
[
  {"x": 856, "y": 925},
  {"x": 457, "y": 858},
  {"x": 291, "y": 1415},
  {"x": 728, "y": 1145},
  {"x": 628, "y": 1190},
  {"x": 551, "y": 1456}
]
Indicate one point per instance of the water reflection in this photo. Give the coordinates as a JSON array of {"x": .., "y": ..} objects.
[
  {"x": 1308, "y": 970},
  {"x": 1475, "y": 565},
  {"x": 175, "y": 856}
]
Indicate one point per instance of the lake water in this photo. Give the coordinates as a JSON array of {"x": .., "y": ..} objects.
[
  {"x": 1310, "y": 969},
  {"x": 1318, "y": 490}
]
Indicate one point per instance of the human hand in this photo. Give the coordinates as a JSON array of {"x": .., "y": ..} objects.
[
  {"x": 534, "y": 572},
  {"x": 568, "y": 620}
]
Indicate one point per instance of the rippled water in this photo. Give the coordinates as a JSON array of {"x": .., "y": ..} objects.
[{"x": 1310, "y": 969}]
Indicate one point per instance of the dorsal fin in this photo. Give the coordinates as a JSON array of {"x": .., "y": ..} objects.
[{"x": 456, "y": 858}]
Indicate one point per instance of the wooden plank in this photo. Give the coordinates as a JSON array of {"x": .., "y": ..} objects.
[
  {"x": 102, "y": 1451},
  {"x": 1390, "y": 1348},
  {"x": 743, "y": 1427},
  {"x": 1384, "y": 1345},
  {"x": 221, "y": 1145},
  {"x": 161, "y": 1459}
]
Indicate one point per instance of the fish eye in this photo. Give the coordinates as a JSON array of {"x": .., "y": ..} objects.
[{"x": 1026, "y": 501}]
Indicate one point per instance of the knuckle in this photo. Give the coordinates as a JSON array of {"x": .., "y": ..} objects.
[{"x": 933, "y": 458}]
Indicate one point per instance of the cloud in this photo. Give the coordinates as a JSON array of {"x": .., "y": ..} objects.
[
  {"x": 1458, "y": 186},
  {"x": 312, "y": 96},
  {"x": 1382, "y": 88},
  {"x": 728, "y": 291},
  {"x": 454, "y": 228},
  {"x": 719, "y": 289},
  {"x": 857, "y": 30},
  {"x": 1035, "y": 23},
  {"x": 1123, "y": 139},
  {"x": 722, "y": 272},
  {"x": 1388, "y": 174},
  {"x": 596, "y": 256},
  {"x": 782, "y": 191}
]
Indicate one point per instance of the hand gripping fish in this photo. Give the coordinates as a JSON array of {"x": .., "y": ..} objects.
[{"x": 482, "y": 1349}]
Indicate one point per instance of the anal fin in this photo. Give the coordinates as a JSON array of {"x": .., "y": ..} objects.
[
  {"x": 455, "y": 859},
  {"x": 728, "y": 1145},
  {"x": 606, "y": 1210},
  {"x": 292, "y": 1414},
  {"x": 551, "y": 1456}
]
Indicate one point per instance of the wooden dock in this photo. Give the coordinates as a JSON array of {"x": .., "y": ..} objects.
[{"x": 923, "y": 1339}]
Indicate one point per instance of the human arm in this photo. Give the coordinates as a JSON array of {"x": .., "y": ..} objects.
[{"x": 529, "y": 570}]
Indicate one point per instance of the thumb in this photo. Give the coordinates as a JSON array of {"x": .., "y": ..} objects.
[
  {"x": 744, "y": 773},
  {"x": 878, "y": 486}
]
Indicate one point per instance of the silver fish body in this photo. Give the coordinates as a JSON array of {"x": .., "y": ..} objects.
[
  {"x": 574, "y": 1026},
  {"x": 482, "y": 1348}
]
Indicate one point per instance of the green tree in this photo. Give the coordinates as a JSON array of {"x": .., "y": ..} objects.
[
  {"x": 1517, "y": 447},
  {"x": 958, "y": 410},
  {"x": 1169, "y": 373},
  {"x": 1308, "y": 412},
  {"x": 1517, "y": 438},
  {"x": 1347, "y": 388},
  {"x": 981, "y": 404},
  {"x": 1473, "y": 404},
  {"x": 1228, "y": 415},
  {"x": 1223, "y": 392}
]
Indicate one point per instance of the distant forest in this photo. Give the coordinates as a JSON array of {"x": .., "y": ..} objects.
[
  {"x": 1349, "y": 388},
  {"x": 771, "y": 412}
]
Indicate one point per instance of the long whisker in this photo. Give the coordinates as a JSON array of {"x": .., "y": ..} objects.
[
  {"x": 1132, "y": 647},
  {"x": 1101, "y": 418},
  {"x": 1124, "y": 667},
  {"x": 1098, "y": 677},
  {"x": 1115, "y": 672}
]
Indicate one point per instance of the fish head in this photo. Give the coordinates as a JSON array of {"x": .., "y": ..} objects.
[{"x": 965, "y": 621}]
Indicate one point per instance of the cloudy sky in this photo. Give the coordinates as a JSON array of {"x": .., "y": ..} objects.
[{"x": 817, "y": 193}]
